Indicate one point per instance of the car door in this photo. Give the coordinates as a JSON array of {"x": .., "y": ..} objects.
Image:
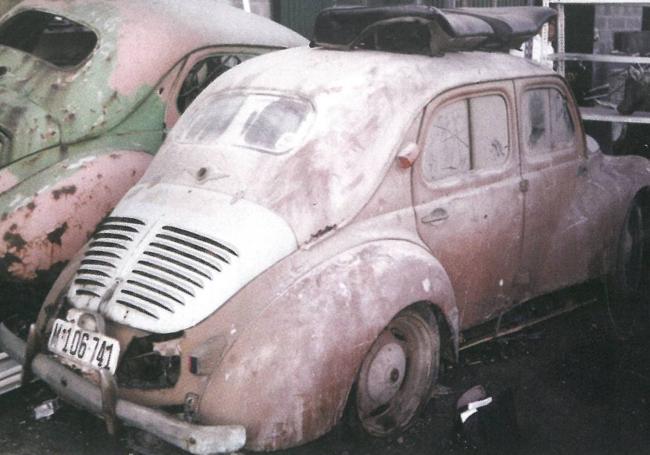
[
  {"x": 467, "y": 196},
  {"x": 553, "y": 162}
]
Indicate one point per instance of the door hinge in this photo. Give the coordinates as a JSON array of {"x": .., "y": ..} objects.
[{"x": 524, "y": 185}]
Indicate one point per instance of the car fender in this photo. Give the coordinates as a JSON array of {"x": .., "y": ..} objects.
[
  {"x": 316, "y": 334},
  {"x": 45, "y": 219}
]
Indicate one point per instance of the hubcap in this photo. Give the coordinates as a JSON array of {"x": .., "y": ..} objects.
[{"x": 386, "y": 373}]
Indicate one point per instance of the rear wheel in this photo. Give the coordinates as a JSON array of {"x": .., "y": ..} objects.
[
  {"x": 397, "y": 374},
  {"x": 629, "y": 291}
]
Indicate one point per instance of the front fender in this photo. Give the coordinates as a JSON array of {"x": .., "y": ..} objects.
[
  {"x": 287, "y": 376},
  {"x": 46, "y": 218}
]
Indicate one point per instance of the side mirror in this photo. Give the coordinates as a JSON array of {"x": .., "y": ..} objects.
[{"x": 407, "y": 156}]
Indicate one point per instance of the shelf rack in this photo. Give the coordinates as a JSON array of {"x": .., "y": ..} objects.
[{"x": 600, "y": 114}]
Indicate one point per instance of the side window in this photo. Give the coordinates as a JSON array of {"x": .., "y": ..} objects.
[
  {"x": 562, "y": 126},
  {"x": 447, "y": 142},
  {"x": 203, "y": 73},
  {"x": 548, "y": 126},
  {"x": 466, "y": 135},
  {"x": 489, "y": 121},
  {"x": 537, "y": 128}
]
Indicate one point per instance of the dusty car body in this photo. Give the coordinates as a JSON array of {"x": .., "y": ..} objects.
[
  {"x": 338, "y": 219},
  {"x": 88, "y": 90}
]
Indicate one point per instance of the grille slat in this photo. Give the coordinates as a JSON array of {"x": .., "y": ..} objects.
[
  {"x": 159, "y": 291},
  {"x": 97, "y": 263},
  {"x": 167, "y": 273},
  {"x": 178, "y": 263},
  {"x": 198, "y": 248},
  {"x": 112, "y": 236},
  {"x": 98, "y": 244},
  {"x": 185, "y": 253},
  {"x": 172, "y": 272},
  {"x": 200, "y": 238},
  {"x": 92, "y": 272},
  {"x": 117, "y": 227},
  {"x": 146, "y": 299},
  {"x": 163, "y": 281},
  {"x": 136, "y": 308},
  {"x": 87, "y": 282}
]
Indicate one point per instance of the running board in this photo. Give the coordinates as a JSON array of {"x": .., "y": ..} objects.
[{"x": 10, "y": 372}]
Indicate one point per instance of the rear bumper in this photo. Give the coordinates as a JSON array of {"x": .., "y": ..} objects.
[{"x": 197, "y": 439}]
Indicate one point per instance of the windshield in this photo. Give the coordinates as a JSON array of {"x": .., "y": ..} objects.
[
  {"x": 52, "y": 38},
  {"x": 265, "y": 123}
]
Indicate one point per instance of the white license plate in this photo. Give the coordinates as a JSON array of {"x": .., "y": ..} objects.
[{"x": 83, "y": 347}]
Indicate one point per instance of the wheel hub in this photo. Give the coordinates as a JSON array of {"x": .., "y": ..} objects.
[{"x": 386, "y": 373}]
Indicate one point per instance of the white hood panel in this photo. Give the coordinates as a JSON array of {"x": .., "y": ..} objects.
[{"x": 169, "y": 256}]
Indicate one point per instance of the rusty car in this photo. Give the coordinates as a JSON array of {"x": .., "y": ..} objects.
[
  {"x": 88, "y": 90},
  {"x": 322, "y": 226}
]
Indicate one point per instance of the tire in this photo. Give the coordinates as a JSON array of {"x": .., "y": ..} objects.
[
  {"x": 397, "y": 374},
  {"x": 628, "y": 284}
]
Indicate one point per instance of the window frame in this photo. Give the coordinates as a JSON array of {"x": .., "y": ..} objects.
[
  {"x": 568, "y": 153},
  {"x": 508, "y": 168}
]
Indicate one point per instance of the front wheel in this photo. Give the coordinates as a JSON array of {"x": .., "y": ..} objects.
[{"x": 397, "y": 374}]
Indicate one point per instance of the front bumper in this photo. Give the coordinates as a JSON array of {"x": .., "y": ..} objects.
[{"x": 197, "y": 439}]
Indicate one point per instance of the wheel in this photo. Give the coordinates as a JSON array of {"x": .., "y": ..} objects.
[
  {"x": 632, "y": 261},
  {"x": 628, "y": 295},
  {"x": 397, "y": 374}
]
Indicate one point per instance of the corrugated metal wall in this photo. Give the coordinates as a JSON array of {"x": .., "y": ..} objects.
[{"x": 300, "y": 15}]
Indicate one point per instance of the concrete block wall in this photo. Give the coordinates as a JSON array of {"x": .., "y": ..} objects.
[{"x": 615, "y": 18}]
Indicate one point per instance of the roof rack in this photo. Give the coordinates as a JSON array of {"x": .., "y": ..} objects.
[{"x": 419, "y": 29}]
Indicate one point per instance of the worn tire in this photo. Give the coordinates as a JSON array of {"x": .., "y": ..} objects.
[
  {"x": 397, "y": 374},
  {"x": 628, "y": 284}
]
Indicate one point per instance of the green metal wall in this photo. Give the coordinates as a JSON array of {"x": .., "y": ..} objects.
[{"x": 299, "y": 15}]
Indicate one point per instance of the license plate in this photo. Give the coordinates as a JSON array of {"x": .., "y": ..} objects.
[{"x": 83, "y": 347}]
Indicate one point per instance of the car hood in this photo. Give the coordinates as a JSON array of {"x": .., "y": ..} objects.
[
  {"x": 170, "y": 255},
  {"x": 26, "y": 126}
]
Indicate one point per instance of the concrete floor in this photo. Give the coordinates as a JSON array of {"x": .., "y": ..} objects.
[{"x": 578, "y": 388}]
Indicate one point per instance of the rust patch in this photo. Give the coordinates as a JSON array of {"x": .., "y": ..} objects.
[
  {"x": 31, "y": 206},
  {"x": 54, "y": 237},
  {"x": 14, "y": 240},
  {"x": 64, "y": 191}
]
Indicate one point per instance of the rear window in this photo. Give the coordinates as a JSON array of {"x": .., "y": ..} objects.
[
  {"x": 52, "y": 38},
  {"x": 265, "y": 123}
]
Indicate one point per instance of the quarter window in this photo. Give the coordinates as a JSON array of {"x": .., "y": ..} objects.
[
  {"x": 203, "y": 73},
  {"x": 466, "y": 135},
  {"x": 548, "y": 126}
]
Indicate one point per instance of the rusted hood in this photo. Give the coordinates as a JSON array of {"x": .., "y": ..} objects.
[{"x": 27, "y": 126}]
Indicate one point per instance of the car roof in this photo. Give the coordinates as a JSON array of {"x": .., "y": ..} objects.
[
  {"x": 359, "y": 76},
  {"x": 155, "y": 34}
]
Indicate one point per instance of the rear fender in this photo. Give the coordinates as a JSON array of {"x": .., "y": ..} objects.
[
  {"x": 288, "y": 375},
  {"x": 45, "y": 219}
]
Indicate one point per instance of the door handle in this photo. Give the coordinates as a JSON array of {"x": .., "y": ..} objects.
[{"x": 436, "y": 216}]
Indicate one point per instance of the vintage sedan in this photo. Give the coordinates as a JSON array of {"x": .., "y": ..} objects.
[
  {"x": 323, "y": 223},
  {"x": 88, "y": 90}
]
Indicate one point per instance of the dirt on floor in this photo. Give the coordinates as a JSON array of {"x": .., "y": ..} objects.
[{"x": 578, "y": 386}]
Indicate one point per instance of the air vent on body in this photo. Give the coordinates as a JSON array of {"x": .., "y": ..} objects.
[
  {"x": 175, "y": 265},
  {"x": 108, "y": 245}
]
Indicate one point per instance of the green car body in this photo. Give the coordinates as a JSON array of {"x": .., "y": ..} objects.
[{"x": 85, "y": 105}]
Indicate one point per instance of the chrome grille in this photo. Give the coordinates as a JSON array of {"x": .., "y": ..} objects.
[
  {"x": 175, "y": 265},
  {"x": 109, "y": 243}
]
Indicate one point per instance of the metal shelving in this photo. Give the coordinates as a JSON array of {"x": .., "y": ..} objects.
[{"x": 561, "y": 57}]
